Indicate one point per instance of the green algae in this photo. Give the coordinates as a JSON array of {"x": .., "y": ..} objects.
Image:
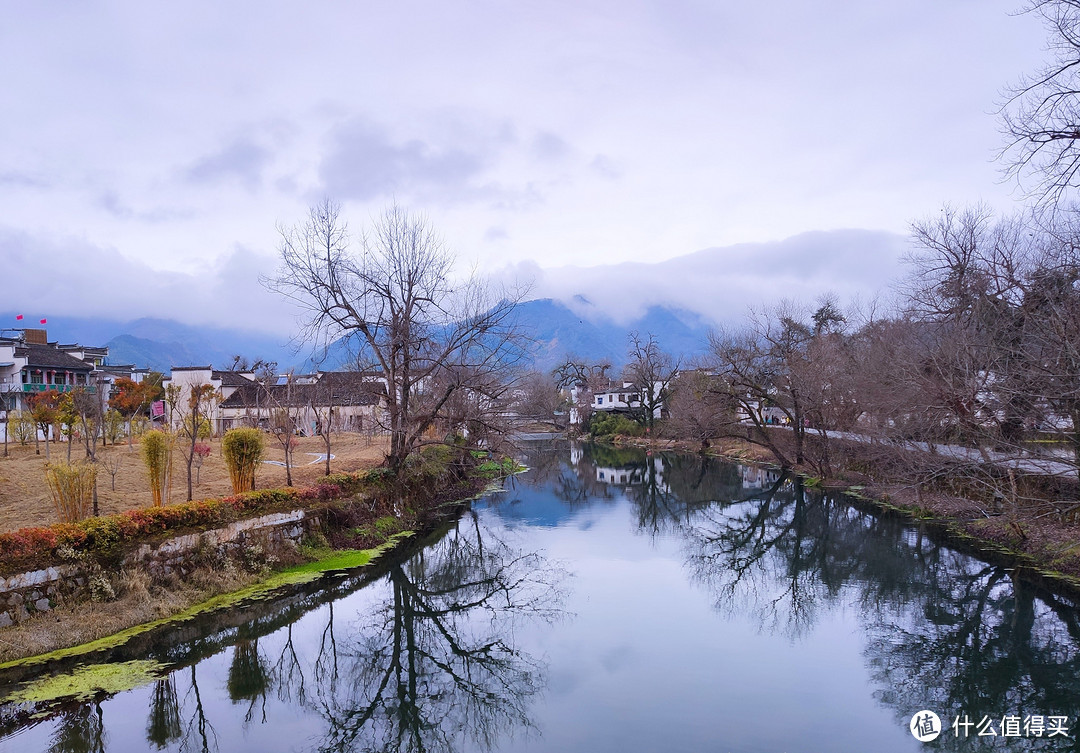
[
  {"x": 87, "y": 682},
  {"x": 326, "y": 561}
]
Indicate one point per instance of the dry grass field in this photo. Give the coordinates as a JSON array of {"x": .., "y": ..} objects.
[{"x": 25, "y": 500}]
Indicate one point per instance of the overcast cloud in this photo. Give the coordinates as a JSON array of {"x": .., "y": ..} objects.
[{"x": 148, "y": 151}]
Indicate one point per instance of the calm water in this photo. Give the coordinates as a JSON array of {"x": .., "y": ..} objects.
[{"x": 614, "y": 601}]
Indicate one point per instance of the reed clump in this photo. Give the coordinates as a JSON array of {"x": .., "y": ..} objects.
[
  {"x": 72, "y": 489},
  {"x": 242, "y": 450},
  {"x": 157, "y": 455}
]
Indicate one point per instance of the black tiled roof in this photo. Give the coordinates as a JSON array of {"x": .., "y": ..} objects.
[
  {"x": 46, "y": 356},
  {"x": 232, "y": 378},
  {"x": 345, "y": 392}
]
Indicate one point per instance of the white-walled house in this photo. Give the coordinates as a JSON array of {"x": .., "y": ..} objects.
[
  {"x": 351, "y": 401},
  {"x": 616, "y": 397},
  {"x": 29, "y": 364}
]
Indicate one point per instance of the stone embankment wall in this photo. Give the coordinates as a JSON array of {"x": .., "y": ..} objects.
[{"x": 24, "y": 594}]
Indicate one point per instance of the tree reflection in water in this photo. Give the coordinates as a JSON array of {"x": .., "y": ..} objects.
[
  {"x": 432, "y": 662},
  {"x": 80, "y": 731},
  {"x": 164, "y": 726},
  {"x": 437, "y": 663},
  {"x": 946, "y": 631},
  {"x": 432, "y": 666}
]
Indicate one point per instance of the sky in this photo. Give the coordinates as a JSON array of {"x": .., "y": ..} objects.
[{"x": 150, "y": 151}]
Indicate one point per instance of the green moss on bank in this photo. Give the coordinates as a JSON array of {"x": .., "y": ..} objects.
[
  {"x": 325, "y": 561},
  {"x": 85, "y": 683}
]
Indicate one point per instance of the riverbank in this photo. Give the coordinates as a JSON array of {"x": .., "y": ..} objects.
[
  {"x": 1040, "y": 538},
  {"x": 363, "y": 516}
]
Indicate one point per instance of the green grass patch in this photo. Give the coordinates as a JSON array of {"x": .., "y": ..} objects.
[{"x": 493, "y": 468}]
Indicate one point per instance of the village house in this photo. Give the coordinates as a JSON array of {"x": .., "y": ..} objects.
[
  {"x": 350, "y": 401},
  {"x": 29, "y": 364},
  {"x": 614, "y": 397}
]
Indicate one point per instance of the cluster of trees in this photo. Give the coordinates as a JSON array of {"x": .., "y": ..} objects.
[
  {"x": 645, "y": 383},
  {"x": 85, "y": 414},
  {"x": 981, "y": 346},
  {"x": 975, "y": 360}
]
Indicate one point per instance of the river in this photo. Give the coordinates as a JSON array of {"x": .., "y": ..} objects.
[{"x": 614, "y": 600}]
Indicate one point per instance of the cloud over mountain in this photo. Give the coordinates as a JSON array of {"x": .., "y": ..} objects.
[{"x": 721, "y": 283}]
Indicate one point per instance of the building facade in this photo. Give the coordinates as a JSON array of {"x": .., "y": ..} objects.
[{"x": 30, "y": 364}]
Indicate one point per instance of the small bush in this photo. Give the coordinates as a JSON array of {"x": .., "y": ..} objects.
[
  {"x": 101, "y": 588},
  {"x": 611, "y": 424},
  {"x": 113, "y": 426},
  {"x": 72, "y": 489},
  {"x": 243, "y": 450},
  {"x": 22, "y": 426}
]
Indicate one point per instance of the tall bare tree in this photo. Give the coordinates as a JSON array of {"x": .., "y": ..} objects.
[
  {"x": 196, "y": 410},
  {"x": 394, "y": 297},
  {"x": 285, "y": 404},
  {"x": 650, "y": 371},
  {"x": 1041, "y": 113},
  {"x": 583, "y": 379}
]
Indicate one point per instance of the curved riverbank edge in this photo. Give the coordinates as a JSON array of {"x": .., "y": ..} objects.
[
  {"x": 441, "y": 498},
  {"x": 1046, "y": 555},
  {"x": 38, "y": 683},
  {"x": 39, "y": 686},
  {"x": 327, "y": 562}
]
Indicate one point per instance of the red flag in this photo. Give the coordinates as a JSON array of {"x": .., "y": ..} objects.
[
  {"x": 18, "y": 318},
  {"x": 42, "y": 321}
]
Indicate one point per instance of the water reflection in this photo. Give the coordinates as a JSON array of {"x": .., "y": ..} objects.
[
  {"x": 944, "y": 630},
  {"x": 80, "y": 731},
  {"x": 441, "y": 653},
  {"x": 163, "y": 725},
  {"x": 436, "y": 663}
]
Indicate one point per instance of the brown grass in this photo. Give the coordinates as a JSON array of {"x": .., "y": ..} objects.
[
  {"x": 25, "y": 500},
  {"x": 138, "y": 601}
]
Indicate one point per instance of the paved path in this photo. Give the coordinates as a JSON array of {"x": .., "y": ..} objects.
[
  {"x": 1021, "y": 460},
  {"x": 320, "y": 457}
]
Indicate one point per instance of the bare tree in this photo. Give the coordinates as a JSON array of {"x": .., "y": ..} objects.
[
  {"x": 395, "y": 299},
  {"x": 649, "y": 371},
  {"x": 582, "y": 379},
  {"x": 321, "y": 402},
  {"x": 284, "y": 403},
  {"x": 759, "y": 365},
  {"x": 699, "y": 407},
  {"x": 538, "y": 400},
  {"x": 791, "y": 367},
  {"x": 1041, "y": 113},
  {"x": 195, "y": 422}
]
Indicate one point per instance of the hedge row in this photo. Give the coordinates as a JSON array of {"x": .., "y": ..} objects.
[{"x": 102, "y": 537}]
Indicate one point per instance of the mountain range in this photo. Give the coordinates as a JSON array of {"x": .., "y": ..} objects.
[{"x": 557, "y": 331}]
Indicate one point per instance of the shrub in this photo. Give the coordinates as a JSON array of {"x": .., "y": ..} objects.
[
  {"x": 610, "y": 424},
  {"x": 157, "y": 454},
  {"x": 72, "y": 489},
  {"x": 242, "y": 449},
  {"x": 22, "y": 426},
  {"x": 139, "y": 425},
  {"x": 113, "y": 426}
]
